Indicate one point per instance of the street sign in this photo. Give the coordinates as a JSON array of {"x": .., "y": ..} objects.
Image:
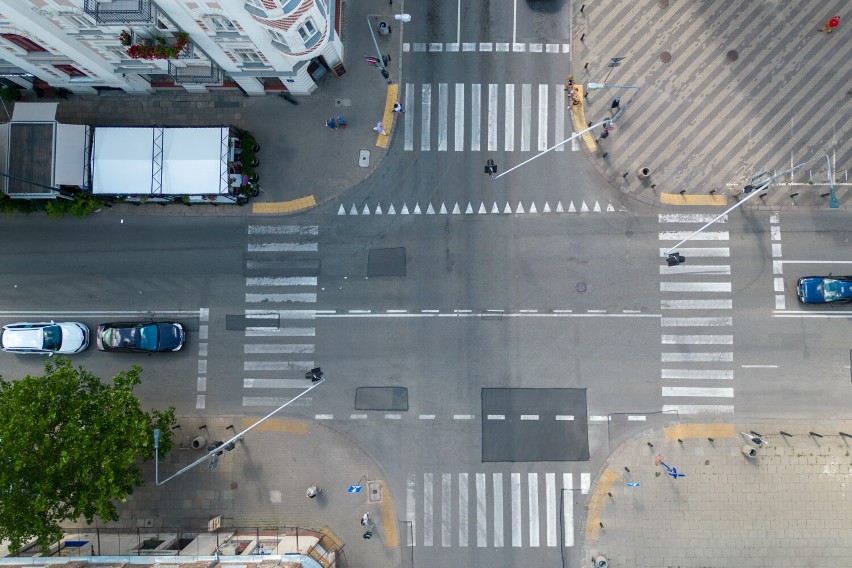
[
  {"x": 632, "y": 484},
  {"x": 354, "y": 489}
]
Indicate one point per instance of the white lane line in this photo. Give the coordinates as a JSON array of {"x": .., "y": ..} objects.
[
  {"x": 559, "y": 118},
  {"x": 463, "y": 509},
  {"x": 410, "y": 510},
  {"x": 697, "y": 322},
  {"x": 496, "y": 417},
  {"x": 481, "y": 512},
  {"x": 564, "y": 417},
  {"x": 98, "y": 314},
  {"x": 475, "y": 116},
  {"x": 280, "y": 332},
  {"x": 759, "y": 366},
  {"x": 426, "y": 417},
  {"x": 393, "y": 416},
  {"x": 529, "y": 416},
  {"x": 446, "y": 509},
  {"x": 542, "y": 118},
  {"x": 699, "y": 392},
  {"x": 815, "y": 261},
  {"x": 274, "y": 384},
  {"x": 526, "y": 116},
  {"x": 443, "y": 103},
  {"x": 817, "y": 315},
  {"x": 282, "y": 247},
  {"x": 695, "y": 269},
  {"x": 696, "y": 304},
  {"x": 427, "y": 509},
  {"x": 550, "y": 500},
  {"x": 777, "y": 267},
  {"x": 722, "y": 252},
  {"x": 585, "y": 483},
  {"x": 283, "y": 230},
  {"x": 200, "y": 401},
  {"x": 281, "y": 314},
  {"x": 284, "y": 281},
  {"x": 309, "y": 298},
  {"x": 697, "y": 340},
  {"x": 776, "y": 250},
  {"x": 201, "y": 384},
  {"x": 409, "y": 117},
  {"x": 278, "y": 365},
  {"x": 470, "y": 314},
  {"x": 462, "y": 416},
  {"x": 492, "y": 117},
  {"x": 497, "y": 489},
  {"x": 532, "y": 493},
  {"x": 598, "y": 418},
  {"x": 704, "y": 374},
  {"x": 256, "y": 348},
  {"x": 458, "y": 123},
  {"x": 357, "y": 417},
  {"x": 779, "y": 284},
  {"x": 509, "y": 122},
  {"x": 705, "y": 236},
  {"x": 516, "y": 510},
  {"x": 316, "y": 416},
  {"x": 695, "y": 286},
  {"x": 634, "y": 418},
  {"x": 690, "y": 218},
  {"x": 684, "y": 409},
  {"x": 568, "y": 508},
  {"x": 426, "y": 118},
  {"x": 696, "y": 357},
  {"x": 274, "y": 401},
  {"x": 775, "y": 232}
]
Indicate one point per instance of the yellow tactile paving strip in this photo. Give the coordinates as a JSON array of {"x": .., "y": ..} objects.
[
  {"x": 292, "y": 206},
  {"x": 685, "y": 199},
  {"x": 278, "y": 425},
  {"x": 598, "y": 502},
  {"x": 711, "y": 430},
  {"x": 382, "y": 141},
  {"x": 389, "y": 518},
  {"x": 578, "y": 112}
]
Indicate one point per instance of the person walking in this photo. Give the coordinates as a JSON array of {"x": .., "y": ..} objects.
[
  {"x": 365, "y": 520},
  {"x": 831, "y": 24},
  {"x": 331, "y": 124},
  {"x": 313, "y": 491},
  {"x": 341, "y": 122},
  {"x": 397, "y": 107},
  {"x": 616, "y": 102},
  {"x": 380, "y": 128}
]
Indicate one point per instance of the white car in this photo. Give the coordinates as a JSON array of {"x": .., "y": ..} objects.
[{"x": 45, "y": 338}]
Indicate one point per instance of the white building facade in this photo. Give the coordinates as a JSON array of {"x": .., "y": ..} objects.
[{"x": 84, "y": 46}]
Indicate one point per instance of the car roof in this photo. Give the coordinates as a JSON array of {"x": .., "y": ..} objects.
[{"x": 30, "y": 338}]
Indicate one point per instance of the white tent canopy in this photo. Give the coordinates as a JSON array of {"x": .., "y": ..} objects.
[{"x": 160, "y": 161}]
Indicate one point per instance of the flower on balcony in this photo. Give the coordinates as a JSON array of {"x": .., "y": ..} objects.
[
  {"x": 125, "y": 38},
  {"x": 159, "y": 49}
]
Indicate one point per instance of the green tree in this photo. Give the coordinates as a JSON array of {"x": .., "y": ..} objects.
[{"x": 70, "y": 446}]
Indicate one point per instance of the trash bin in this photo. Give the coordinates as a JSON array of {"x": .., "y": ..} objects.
[
  {"x": 749, "y": 451},
  {"x": 384, "y": 28}
]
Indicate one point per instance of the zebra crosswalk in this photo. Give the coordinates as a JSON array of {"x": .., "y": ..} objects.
[
  {"x": 695, "y": 300},
  {"x": 479, "y": 117},
  {"x": 277, "y": 353},
  {"x": 492, "y": 510}
]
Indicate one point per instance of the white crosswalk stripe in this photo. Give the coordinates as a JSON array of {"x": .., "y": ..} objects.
[
  {"x": 502, "y": 208},
  {"x": 278, "y": 354},
  {"x": 532, "y": 120},
  {"x": 693, "y": 299},
  {"x": 487, "y": 47},
  {"x": 469, "y": 509}
]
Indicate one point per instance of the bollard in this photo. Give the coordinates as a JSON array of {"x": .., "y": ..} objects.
[
  {"x": 586, "y": 66},
  {"x": 582, "y": 37},
  {"x": 825, "y": 194},
  {"x": 845, "y": 435},
  {"x": 650, "y": 445},
  {"x": 815, "y": 434},
  {"x": 749, "y": 451},
  {"x": 679, "y": 441},
  {"x": 783, "y": 433},
  {"x": 627, "y": 469},
  {"x": 682, "y": 191},
  {"x": 792, "y": 195},
  {"x": 711, "y": 440},
  {"x": 583, "y": 7},
  {"x": 624, "y": 175},
  {"x": 605, "y": 155}
]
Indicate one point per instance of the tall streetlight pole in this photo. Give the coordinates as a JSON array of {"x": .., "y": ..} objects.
[
  {"x": 315, "y": 376},
  {"x": 675, "y": 259}
]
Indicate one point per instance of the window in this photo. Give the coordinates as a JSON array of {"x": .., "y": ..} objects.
[
  {"x": 27, "y": 45},
  {"x": 248, "y": 56},
  {"x": 307, "y": 30},
  {"x": 80, "y": 21},
  {"x": 117, "y": 52},
  {"x": 256, "y": 4},
  {"x": 221, "y": 23},
  {"x": 70, "y": 70}
]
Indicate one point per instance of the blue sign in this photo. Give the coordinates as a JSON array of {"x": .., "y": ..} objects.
[
  {"x": 354, "y": 489},
  {"x": 632, "y": 484}
]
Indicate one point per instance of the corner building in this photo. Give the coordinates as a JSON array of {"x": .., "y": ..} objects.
[{"x": 84, "y": 46}]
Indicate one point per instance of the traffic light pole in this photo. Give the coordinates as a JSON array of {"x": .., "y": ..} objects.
[{"x": 219, "y": 449}]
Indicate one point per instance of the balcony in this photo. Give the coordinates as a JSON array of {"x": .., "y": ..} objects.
[
  {"x": 157, "y": 47},
  {"x": 196, "y": 73},
  {"x": 120, "y": 12}
]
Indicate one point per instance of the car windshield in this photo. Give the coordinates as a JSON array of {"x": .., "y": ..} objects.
[
  {"x": 52, "y": 337},
  {"x": 143, "y": 337},
  {"x": 831, "y": 289},
  {"x": 148, "y": 336}
]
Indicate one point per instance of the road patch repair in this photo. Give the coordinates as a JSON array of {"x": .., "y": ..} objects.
[{"x": 381, "y": 398}]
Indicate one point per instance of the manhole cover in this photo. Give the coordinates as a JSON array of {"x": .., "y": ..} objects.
[
  {"x": 374, "y": 494},
  {"x": 665, "y": 57},
  {"x": 364, "y": 158},
  {"x": 663, "y": 3},
  {"x": 343, "y": 102},
  {"x": 733, "y": 55},
  {"x": 580, "y": 287}
]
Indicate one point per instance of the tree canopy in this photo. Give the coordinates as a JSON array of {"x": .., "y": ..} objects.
[{"x": 70, "y": 446}]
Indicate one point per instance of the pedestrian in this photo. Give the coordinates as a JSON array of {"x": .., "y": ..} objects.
[
  {"x": 331, "y": 124},
  {"x": 341, "y": 121},
  {"x": 616, "y": 102},
  {"x": 380, "y": 128},
  {"x": 569, "y": 85},
  {"x": 313, "y": 491},
  {"x": 365, "y": 520},
  {"x": 397, "y": 107},
  {"x": 831, "y": 24}
]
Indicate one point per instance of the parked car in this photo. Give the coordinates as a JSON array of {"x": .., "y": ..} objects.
[
  {"x": 45, "y": 338},
  {"x": 824, "y": 289},
  {"x": 140, "y": 337}
]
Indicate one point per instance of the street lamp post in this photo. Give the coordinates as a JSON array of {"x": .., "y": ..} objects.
[{"x": 315, "y": 376}]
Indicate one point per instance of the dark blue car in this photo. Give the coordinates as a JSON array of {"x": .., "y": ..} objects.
[
  {"x": 824, "y": 289},
  {"x": 140, "y": 337}
]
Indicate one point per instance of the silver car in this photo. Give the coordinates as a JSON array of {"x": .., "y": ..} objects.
[{"x": 45, "y": 338}]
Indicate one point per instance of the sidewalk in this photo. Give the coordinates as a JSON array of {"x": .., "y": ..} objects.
[
  {"x": 727, "y": 90},
  {"x": 262, "y": 483},
  {"x": 300, "y": 157},
  {"x": 787, "y": 507}
]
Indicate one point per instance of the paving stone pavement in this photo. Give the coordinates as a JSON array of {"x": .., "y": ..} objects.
[
  {"x": 727, "y": 89},
  {"x": 789, "y": 506}
]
